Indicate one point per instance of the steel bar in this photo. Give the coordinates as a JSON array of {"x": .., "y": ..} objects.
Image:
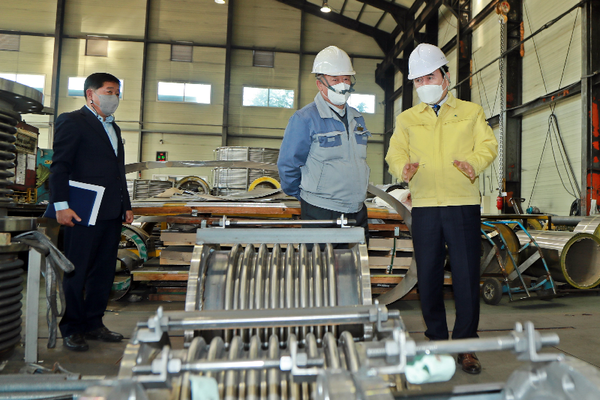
[
  {"x": 214, "y": 320},
  {"x": 267, "y": 222},
  {"x": 468, "y": 345},
  {"x": 283, "y": 235},
  {"x": 33, "y": 305}
]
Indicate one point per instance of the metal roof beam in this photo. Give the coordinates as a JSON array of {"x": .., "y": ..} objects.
[
  {"x": 398, "y": 12},
  {"x": 383, "y": 39},
  {"x": 408, "y": 36}
]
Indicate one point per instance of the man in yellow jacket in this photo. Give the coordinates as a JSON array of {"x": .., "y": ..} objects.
[{"x": 439, "y": 147}]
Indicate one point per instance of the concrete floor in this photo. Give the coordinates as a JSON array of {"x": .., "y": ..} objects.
[{"x": 575, "y": 318}]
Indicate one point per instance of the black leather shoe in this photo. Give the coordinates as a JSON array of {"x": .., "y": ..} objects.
[
  {"x": 104, "y": 335},
  {"x": 469, "y": 363},
  {"x": 75, "y": 342}
]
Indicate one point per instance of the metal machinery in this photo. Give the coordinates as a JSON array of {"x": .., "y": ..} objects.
[
  {"x": 282, "y": 321},
  {"x": 15, "y": 99}
]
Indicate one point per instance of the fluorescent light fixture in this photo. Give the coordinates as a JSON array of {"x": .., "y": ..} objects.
[
  {"x": 220, "y": 1},
  {"x": 325, "y": 7}
]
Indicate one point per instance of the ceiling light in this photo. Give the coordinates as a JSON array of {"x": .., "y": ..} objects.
[
  {"x": 220, "y": 1},
  {"x": 325, "y": 7}
]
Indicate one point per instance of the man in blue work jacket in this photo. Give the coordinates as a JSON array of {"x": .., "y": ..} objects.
[{"x": 323, "y": 156}]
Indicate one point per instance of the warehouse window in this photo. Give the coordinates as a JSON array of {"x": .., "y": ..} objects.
[
  {"x": 365, "y": 103},
  {"x": 75, "y": 87},
  {"x": 34, "y": 81},
  {"x": 184, "y": 92},
  {"x": 261, "y": 97}
]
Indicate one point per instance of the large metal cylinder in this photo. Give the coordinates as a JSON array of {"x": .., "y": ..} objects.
[
  {"x": 247, "y": 278},
  {"x": 571, "y": 257},
  {"x": 589, "y": 224}
]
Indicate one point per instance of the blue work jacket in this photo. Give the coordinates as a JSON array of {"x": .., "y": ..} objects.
[{"x": 323, "y": 163}]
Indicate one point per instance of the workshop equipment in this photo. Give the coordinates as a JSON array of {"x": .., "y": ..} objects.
[
  {"x": 502, "y": 246},
  {"x": 571, "y": 257},
  {"x": 15, "y": 99}
]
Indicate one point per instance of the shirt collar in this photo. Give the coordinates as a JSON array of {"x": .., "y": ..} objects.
[
  {"x": 449, "y": 99},
  {"x": 109, "y": 119}
]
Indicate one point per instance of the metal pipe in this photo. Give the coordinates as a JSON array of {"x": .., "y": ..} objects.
[
  {"x": 273, "y": 376},
  {"x": 219, "y": 319},
  {"x": 569, "y": 221},
  {"x": 253, "y": 375},
  {"x": 229, "y": 283},
  {"x": 334, "y": 222},
  {"x": 332, "y": 357},
  {"x": 303, "y": 286},
  {"x": 231, "y": 382},
  {"x": 571, "y": 257},
  {"x": 352, "y": 360},
  {"x": 499, "y": 343},
  {"x": 317, "y": 277}
]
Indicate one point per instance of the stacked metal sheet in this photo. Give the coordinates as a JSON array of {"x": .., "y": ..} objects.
[
  {"x": 242, "y": 153},
  {"x": 234, "y": 180},
  {"x": 140, "y": 189}
]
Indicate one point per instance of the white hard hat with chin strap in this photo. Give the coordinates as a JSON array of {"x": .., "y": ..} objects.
[
  {"x": 334, "y": 61},
  {"x": 424, "y": 60}
]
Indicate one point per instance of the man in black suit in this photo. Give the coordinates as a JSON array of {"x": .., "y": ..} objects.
[{"x": 88, "y": 148}]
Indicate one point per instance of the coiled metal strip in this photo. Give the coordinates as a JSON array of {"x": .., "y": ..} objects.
[
  {"x": 255, "y": 281},
  {"x": 269, "y": 384}
]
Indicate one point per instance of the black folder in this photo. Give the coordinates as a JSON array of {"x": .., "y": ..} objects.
[{"x": 84, "y": 199}]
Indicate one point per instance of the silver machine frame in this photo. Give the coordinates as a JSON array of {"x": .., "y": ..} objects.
[{"x": 306, "y": 349}]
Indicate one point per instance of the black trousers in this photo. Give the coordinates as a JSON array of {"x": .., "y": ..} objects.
[
  {"x": 311, "y": 212},
  {"x": 458, "y": 227},
  {"x": 93, "y": 251}
]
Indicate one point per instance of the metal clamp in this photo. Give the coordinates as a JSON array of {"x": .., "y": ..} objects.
[
  {"x": 528, "y": 341},
  {"x": 157, "y": 326}
]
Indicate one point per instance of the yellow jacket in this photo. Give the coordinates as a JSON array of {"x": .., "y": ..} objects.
[{"x": 460, "y": 132}]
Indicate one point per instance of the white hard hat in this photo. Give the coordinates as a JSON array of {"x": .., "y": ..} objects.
[
  {"x": 425, "y": 59},
  {"x": 333, "y": 61}
]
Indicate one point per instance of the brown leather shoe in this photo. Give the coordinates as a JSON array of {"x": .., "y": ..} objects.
[{"x": 469, "y": 363}]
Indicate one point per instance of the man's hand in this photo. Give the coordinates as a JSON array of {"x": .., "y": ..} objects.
[
  {"x": 128, "y": 216},
  {"x": 409, "y": 170},
  {"x": 65, "y": 217},
  {"x": 465, "y": 168}
]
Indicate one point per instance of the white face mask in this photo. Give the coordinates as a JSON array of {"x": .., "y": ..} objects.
[
  {"x": 430, "y": 94},
  {"x": 108, "y": 103},
  {"x": 340, "y": 93}
]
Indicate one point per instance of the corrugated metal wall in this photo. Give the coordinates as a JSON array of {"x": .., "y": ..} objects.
[{"x": 553, "y": 63}]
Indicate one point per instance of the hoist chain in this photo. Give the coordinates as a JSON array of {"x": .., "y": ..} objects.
[{"x": 501, "y": 127}]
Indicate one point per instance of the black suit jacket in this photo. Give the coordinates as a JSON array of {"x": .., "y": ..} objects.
[{"x": 82, "y": 152}]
